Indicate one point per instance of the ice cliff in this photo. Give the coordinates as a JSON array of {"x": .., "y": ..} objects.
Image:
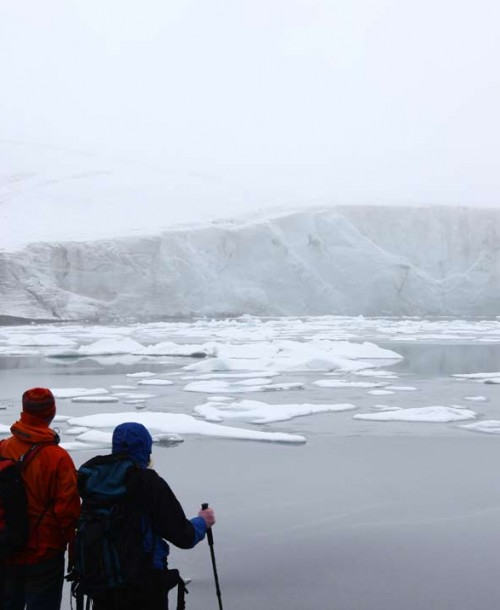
[{"x": 344, "y": 260}]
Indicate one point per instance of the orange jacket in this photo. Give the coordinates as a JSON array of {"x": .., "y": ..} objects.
[{"x": 50, "y": 480}]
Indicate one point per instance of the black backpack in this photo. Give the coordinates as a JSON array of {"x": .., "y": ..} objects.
[
  {"x": 109, "y": 544},
  {"x": 111, "y": 557},
  {"x": 14, "y": 524}
]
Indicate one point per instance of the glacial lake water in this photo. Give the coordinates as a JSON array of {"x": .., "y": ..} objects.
[{"x": 371, "y": 515}]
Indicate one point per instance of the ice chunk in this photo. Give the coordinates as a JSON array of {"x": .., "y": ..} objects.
[
  {"x": 262, "y": 413},
  {"x": 437, "y": 414},
  {"x": 168, "y": 423}
]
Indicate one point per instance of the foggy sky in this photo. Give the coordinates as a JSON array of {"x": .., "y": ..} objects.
[{"x": 286, "y": 101}]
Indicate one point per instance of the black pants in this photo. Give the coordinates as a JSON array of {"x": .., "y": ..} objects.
[
  {"x": 154, "y": 596},
  {"x": 34, "y": 587}
]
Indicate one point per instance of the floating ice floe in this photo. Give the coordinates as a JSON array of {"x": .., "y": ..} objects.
[
  {"x": 110, "y": 347},
  {"x": 253, "y": 381},
  {"x": 167, "y": 440},
  {"x": 476, "y": 375},
  {"x": 216, "y": 386},
  {"x": 340, "y": 383},
  {"x": 380, "y": 392},
  {"x": 95, "y": 399},
  {"x": 40, "y": 340},
  {"x": 74, "y": 392},
  {"x": 278, "y": 387},
  {"x": 123, "y": 360},
  {"x": 18, "y": 351},
  {"x": 490, "y": 378},
  {"x": 376, "y": 373},
  {"x": 167, "y": 348},
  {"x": 489, "y": 426},
  {"x": 170, "y": 423},
  {"x": 257, "y": 412},
  {"x": 102, "y": 347},
  {"x": 289, "y": 356},
  {"x": 138, "y": 396},
  {"x": 155, "y": 382},
  {"x": 404, "y": 339},
  {"x": 75, "y": 430},
  {"x": 437, "y": 414},
  {"x": 90, "y": 439},
  {"x": 307, "y": 330},
  {"x": 402, "y": 388},
  {"x": 142, "y": 374},
  {"x": 123, "y": 387},
  {"x": 252, "y": 375},
  {"x": 476, "y": 398},
  {"x": 385, "y": 408}
]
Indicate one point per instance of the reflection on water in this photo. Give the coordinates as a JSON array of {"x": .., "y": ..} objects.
[
  {"x": 443, "y": 360},
  {"x": 419, "y": 358},
  {"x": 81, "y": 366}
]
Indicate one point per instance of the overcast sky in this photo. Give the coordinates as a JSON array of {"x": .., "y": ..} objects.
[{"x": 286, "y": 101}]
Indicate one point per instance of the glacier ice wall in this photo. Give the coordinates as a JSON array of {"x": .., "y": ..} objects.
[{"x": 344, "y": 260}]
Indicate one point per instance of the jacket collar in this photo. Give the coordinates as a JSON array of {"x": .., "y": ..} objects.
[{"x": 31, "y": 429}]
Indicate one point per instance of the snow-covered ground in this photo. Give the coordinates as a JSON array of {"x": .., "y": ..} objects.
[{"x": 344, "y": 260}]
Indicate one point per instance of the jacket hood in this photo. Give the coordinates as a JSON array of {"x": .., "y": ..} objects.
[
  {"x": 32, "y": 429},
  {"x": 134, "y": 441}
]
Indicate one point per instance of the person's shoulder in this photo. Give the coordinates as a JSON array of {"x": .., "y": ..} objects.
[
  {"x": 148, "y": 478},
  {"x": 98, "y": 459},
  {"x": 56, "y": 452},
  {"x": 147, "y": 475},
  {"x": 5, "y": 442}
]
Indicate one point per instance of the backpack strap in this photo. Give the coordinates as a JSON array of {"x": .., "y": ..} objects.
[
  {"x": 181, "y": 594},
  {"x": 83, "y": 602},
  {"x": 26, "y": 458},
  {"x": 175, "y": 580},
  {"x": 23, "y": 462}
]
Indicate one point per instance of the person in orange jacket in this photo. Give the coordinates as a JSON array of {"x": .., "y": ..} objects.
[{"x": 34, "y": 576}]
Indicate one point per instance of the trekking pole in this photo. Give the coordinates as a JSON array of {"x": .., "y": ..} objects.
[{"x": 210, "y": 538}]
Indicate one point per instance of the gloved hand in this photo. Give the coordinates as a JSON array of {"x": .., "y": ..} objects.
[{"x": 208, "y": 515}]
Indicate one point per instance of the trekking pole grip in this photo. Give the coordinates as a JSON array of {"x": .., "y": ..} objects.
[{"x": 210, "y": 536}]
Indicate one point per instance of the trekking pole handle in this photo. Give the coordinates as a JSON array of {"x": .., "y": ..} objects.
[{"x": 210, "y": 536}]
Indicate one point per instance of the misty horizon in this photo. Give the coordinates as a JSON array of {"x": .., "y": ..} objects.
[{"x": 250, "y": 106}]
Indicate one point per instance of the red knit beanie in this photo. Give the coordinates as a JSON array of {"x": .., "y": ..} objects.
[{"x": 39, "y": 402}]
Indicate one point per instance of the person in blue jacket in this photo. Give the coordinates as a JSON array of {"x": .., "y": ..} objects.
[{"x": 163, "y": 512}]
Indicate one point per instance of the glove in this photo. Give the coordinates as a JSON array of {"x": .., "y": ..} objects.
[{"x": 208, "y": 515}]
